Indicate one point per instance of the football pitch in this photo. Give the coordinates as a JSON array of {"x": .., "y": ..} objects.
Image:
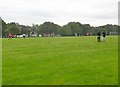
[{"x": 60, "y": 61}]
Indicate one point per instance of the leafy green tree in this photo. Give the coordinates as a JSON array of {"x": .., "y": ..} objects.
[
  {"x": 13, "y": 28},
  {"x": 69, "y": 29},
  {"x": 24, "y": 29},
  {"x": 86, "y": 29},
  {"x": 66, "y": 31},
  {"x": 4, "y": 30},
  {"x": 72, "y": 28},
  {"x": 49, "y": 28}
]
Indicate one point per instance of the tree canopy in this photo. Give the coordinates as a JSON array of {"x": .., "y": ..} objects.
[{"x": 70, "y": 29}]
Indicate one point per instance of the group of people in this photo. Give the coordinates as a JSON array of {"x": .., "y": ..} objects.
[
  {"x": 10, "y": 36},
  {"x": 99, "y": 36}
]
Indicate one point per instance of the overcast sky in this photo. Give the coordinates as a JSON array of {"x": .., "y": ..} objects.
[{"x": 28, "y": 12}]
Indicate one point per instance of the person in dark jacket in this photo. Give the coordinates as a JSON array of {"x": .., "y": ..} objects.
[{"x": 98, "y": 36}]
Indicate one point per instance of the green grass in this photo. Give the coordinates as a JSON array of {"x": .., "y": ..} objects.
[
  {"x": 0, "y": 62},
  {"x": 60, "y": 61}
]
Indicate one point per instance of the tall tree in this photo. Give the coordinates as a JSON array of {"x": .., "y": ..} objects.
[
  {"x": 49, "y": 28},
  {"x": 4, "y": 30},
  {"x": 13, "y": 28}
]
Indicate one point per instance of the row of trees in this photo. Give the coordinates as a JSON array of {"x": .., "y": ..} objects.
[{"x": 70, "y": 29}]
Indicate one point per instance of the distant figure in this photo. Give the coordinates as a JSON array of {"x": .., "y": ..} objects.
[
  {"x": 98, "y": 38},
  {"x": 103, "y": 35},
  {"x": 9, "y": 36},
  {"x": 23, "y": 35},
  {"x": 14, "y": 36}
]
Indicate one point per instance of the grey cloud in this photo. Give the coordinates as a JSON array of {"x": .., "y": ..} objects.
[{"x": 59, "y": 11}]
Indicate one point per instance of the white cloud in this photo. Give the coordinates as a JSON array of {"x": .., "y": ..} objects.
[{"x": 94, "y": 12}]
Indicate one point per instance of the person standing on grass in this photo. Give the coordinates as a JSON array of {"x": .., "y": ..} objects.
[
  {"x": 9, "y": 36},
  {"x": 98, "y": 38},
  {"x": 103, "y": 35},
  {"x": 23, "y": 35}
]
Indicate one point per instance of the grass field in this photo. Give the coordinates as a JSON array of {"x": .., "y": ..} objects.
[
  {"x": 60, "y": 61},
  {"x": 0, "y": 62}
]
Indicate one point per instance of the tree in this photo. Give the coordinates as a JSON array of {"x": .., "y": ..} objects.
[
  {"x": 66, "y": 31},
  {"x": 49, "y": 28},
  {"x": 4, "y": 31},
  {"x": 69, "y": 29},
  {"x": 13, "y": 28},
  {"x": 72, "y": 28},
  {"x": 86, "y": 29},
  {"x": 24, "y": 29}
]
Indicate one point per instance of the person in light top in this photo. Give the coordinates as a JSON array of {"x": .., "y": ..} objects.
[{"x": 103, "y": 35}]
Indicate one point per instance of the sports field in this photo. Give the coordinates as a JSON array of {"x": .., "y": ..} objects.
[
  {"x": 0, "y": 62},
  {"x": 60, "y": 61}
]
